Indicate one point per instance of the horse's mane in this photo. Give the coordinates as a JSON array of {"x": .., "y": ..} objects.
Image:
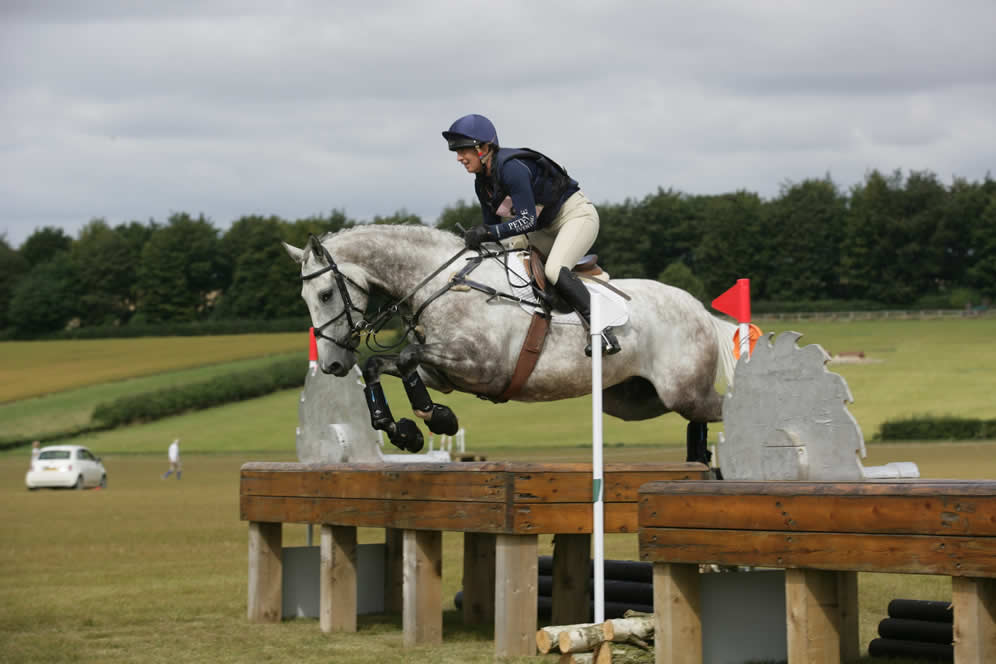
[{"x": 419, "y": 234}]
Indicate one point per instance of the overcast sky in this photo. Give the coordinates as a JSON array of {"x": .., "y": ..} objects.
[{"x": 131, "y": 111}]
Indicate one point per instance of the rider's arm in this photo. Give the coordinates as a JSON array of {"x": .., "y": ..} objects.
[{"x": 518, "y": 180}]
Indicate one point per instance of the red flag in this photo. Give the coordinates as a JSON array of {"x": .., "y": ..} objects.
[
  {"x": 313, "y": 347},
  {"x": 736, "y": 301}
]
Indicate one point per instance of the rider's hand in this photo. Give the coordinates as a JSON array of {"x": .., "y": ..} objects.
[{"x": 473, "y": 238}]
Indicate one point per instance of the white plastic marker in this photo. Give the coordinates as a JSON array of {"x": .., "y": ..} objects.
[{"x": 598, "y": 504}]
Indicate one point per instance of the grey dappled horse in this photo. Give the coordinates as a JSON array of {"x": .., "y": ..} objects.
[{"x": 673, "y": 350}]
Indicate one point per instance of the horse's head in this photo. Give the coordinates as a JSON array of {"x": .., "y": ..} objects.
[{"x": 336, "y": 296}]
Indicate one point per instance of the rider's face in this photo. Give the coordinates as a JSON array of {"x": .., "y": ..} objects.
[{"x": 470, "y": 159}]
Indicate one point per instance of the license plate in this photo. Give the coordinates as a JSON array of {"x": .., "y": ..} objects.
[{"x": 50, "y": 468}]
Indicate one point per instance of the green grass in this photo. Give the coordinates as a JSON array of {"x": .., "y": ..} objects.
[
  {"x": 36, "y": 368},
  {"x": 156, "y": 571},
  {"x": 70, "y": 409}
]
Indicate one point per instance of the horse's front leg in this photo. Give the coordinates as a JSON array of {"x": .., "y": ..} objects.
[
  {"x": 439, "y": 418},
  {"x": 404, "y": 433}
]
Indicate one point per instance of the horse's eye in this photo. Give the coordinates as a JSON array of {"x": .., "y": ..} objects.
[{"x": 324, "y": 296}]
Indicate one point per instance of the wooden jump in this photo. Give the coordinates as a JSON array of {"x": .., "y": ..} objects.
[
  {"x": 500, "y": 507},
  {"x": 823, "y": 533}
]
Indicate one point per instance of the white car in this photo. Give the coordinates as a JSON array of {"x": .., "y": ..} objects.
[{"x": 66, "y": 466}]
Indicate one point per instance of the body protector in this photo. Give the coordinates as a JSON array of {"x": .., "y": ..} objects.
[{"x": 546, "y": 183}]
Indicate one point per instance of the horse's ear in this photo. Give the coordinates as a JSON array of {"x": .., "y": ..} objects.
[
  {"x": 315, "y": 246},
  {"x": 294, "y": 252}
]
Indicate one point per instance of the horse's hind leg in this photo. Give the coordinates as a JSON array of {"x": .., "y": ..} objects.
[
  {"x": 440, "y": 419},
  {"x": 403, "y": 433}
]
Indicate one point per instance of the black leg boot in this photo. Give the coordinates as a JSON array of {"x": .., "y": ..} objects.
[{"x": 575, "y": 294}]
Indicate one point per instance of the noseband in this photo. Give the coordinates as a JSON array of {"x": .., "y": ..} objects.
[{"x": 352, "y": 338}]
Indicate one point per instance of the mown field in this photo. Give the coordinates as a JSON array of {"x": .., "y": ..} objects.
[{"x": 155, "y": 571}]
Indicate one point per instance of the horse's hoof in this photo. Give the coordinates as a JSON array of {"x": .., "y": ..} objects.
[
  {"x": 407, "y": 436},
  {"x": 443, "y": 421}
]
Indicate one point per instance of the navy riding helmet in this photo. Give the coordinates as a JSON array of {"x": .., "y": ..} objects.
[{"x": 470, "y": 131}]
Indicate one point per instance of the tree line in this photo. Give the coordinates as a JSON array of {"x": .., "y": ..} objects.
[{"x": 893, "y": 240}]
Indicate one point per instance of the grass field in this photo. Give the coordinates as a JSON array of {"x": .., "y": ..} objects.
[{"x": 155, "y": 571}]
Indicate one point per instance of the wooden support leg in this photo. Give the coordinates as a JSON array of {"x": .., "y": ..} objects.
[
  {"x": 813, "y": 615},
  {"x": 516, "y": 594},
  {"x": 478, "y": 578},
  {"x": 850, "y": 626},
  {"x": 677, "y": 614},
  {"x": 337, "y": 579},
  {"x": 265, "y": 572},
  {"x": 422, "y": 590},
  {"x": 393, "y": 566},
  {"x": 974, "y": 603},
  {"x": 571, "y": 566}
]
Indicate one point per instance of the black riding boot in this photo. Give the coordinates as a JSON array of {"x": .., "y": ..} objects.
[{"x": 573, "y": 291}]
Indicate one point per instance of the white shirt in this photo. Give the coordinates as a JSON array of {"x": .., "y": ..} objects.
[{"x": 174, "y": 451}]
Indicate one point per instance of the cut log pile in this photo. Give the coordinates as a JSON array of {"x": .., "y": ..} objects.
[
  {"x": 615, "y": 641},
  {"x": 917, "y": 629}
]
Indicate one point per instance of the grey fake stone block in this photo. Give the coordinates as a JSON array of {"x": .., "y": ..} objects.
[{"x": 302, "y": 573}]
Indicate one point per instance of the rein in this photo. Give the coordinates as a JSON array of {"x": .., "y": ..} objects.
[{"x": 356, "y": 328}]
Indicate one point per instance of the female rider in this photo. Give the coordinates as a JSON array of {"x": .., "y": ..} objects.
[{"x": 525, "y": 193}]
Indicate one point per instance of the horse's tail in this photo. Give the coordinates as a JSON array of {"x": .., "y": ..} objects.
[{"x": 724, "y": 343}]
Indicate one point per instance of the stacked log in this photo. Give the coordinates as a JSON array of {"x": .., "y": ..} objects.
[
  {"x": 615, "y": 641},
  {"x": 916, "y": 628}
]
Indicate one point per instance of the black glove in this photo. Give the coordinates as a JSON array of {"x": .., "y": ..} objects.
[{"x": 473, "y": 238}]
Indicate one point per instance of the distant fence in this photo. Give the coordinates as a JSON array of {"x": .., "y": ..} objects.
[{"x": 889, "y": 314}]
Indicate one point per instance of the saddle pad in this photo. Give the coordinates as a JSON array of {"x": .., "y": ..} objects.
[{"x": 615, "y": 311}]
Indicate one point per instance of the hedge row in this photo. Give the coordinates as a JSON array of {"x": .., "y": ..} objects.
[
  {"x": 928, "y": 427},
  {"x": 218, "y": 391}
]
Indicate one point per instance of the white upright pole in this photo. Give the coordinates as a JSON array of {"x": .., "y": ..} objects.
[
  {"x": 745, "y": 340},
  {"x": 598, "y": 523}
]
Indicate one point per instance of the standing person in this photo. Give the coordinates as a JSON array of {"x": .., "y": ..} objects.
[
  {"x": 524, "y": 192},
  {"x": 174, "y": 459},
  {"x": 35, "y": 451}
]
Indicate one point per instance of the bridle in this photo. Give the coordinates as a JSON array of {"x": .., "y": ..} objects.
[{"x": 352, "y": 338}]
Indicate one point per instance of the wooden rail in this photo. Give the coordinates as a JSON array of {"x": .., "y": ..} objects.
[
  {"x": 823, "y": 533},
  {"x": 500, "y": 507}
]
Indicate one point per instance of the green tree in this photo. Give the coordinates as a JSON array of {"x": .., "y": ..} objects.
[
  {"x": 181, "y": 270},
  {"x": 622, "y": 245},
  {"x": 679, "y": 275},
  {"x": 45, "y": 300},
  {"x": 982, "y": 274},
  {"x": 401, "y": 217},
  {"x": 43, "y": 243},
  {"x": 265, "y": 283},
  {"x": 297, "y": 232},
  {"x": 107, "y": 266},
  {"x": 734, "y": 243},
  {"x": 13, "y": 268},
  {"x": 806, "y": 224},
  {"x": 668, "y": 218},
  {"x": 459, "y": 214}
]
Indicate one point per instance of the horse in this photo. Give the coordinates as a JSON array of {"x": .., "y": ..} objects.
[{"x": 468, "y": 339}]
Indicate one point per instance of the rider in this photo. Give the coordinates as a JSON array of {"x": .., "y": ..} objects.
[{"x": 524, "y": 192}]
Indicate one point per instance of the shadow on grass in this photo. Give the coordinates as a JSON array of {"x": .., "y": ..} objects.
[{"x": 453, "y": 627}]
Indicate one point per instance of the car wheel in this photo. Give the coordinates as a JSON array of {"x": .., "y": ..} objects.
[
  {"x": 32, "y": 488},
  {"x": 103, "y": 481},
  {"x": 79, "y": 483}
]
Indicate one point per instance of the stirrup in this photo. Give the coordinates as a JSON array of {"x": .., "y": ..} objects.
[{"x": 610, "y": 345}]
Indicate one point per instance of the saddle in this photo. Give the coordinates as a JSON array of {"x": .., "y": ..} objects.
[{"x": 539, "y": 325}]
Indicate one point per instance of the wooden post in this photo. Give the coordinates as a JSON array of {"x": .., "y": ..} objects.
[
  {"x": 422, "y": 590},
  {"x": 393, "y": 577},
  {"x": 265, "y": 572},
  {"x": 571, "y": 567},
  {"x": 478, "y": 578},
  {"x": 812, "y": 614},
  {"x": 677, "y": 613},
  {"x": 974, "y": 603},
  {"x": 850, "y": 625},
  {"x": 516, "y": 594},
  {"x": 337, "y": 579}
]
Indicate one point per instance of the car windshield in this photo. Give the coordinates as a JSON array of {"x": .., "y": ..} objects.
[{"x": 54, "y": 454}]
